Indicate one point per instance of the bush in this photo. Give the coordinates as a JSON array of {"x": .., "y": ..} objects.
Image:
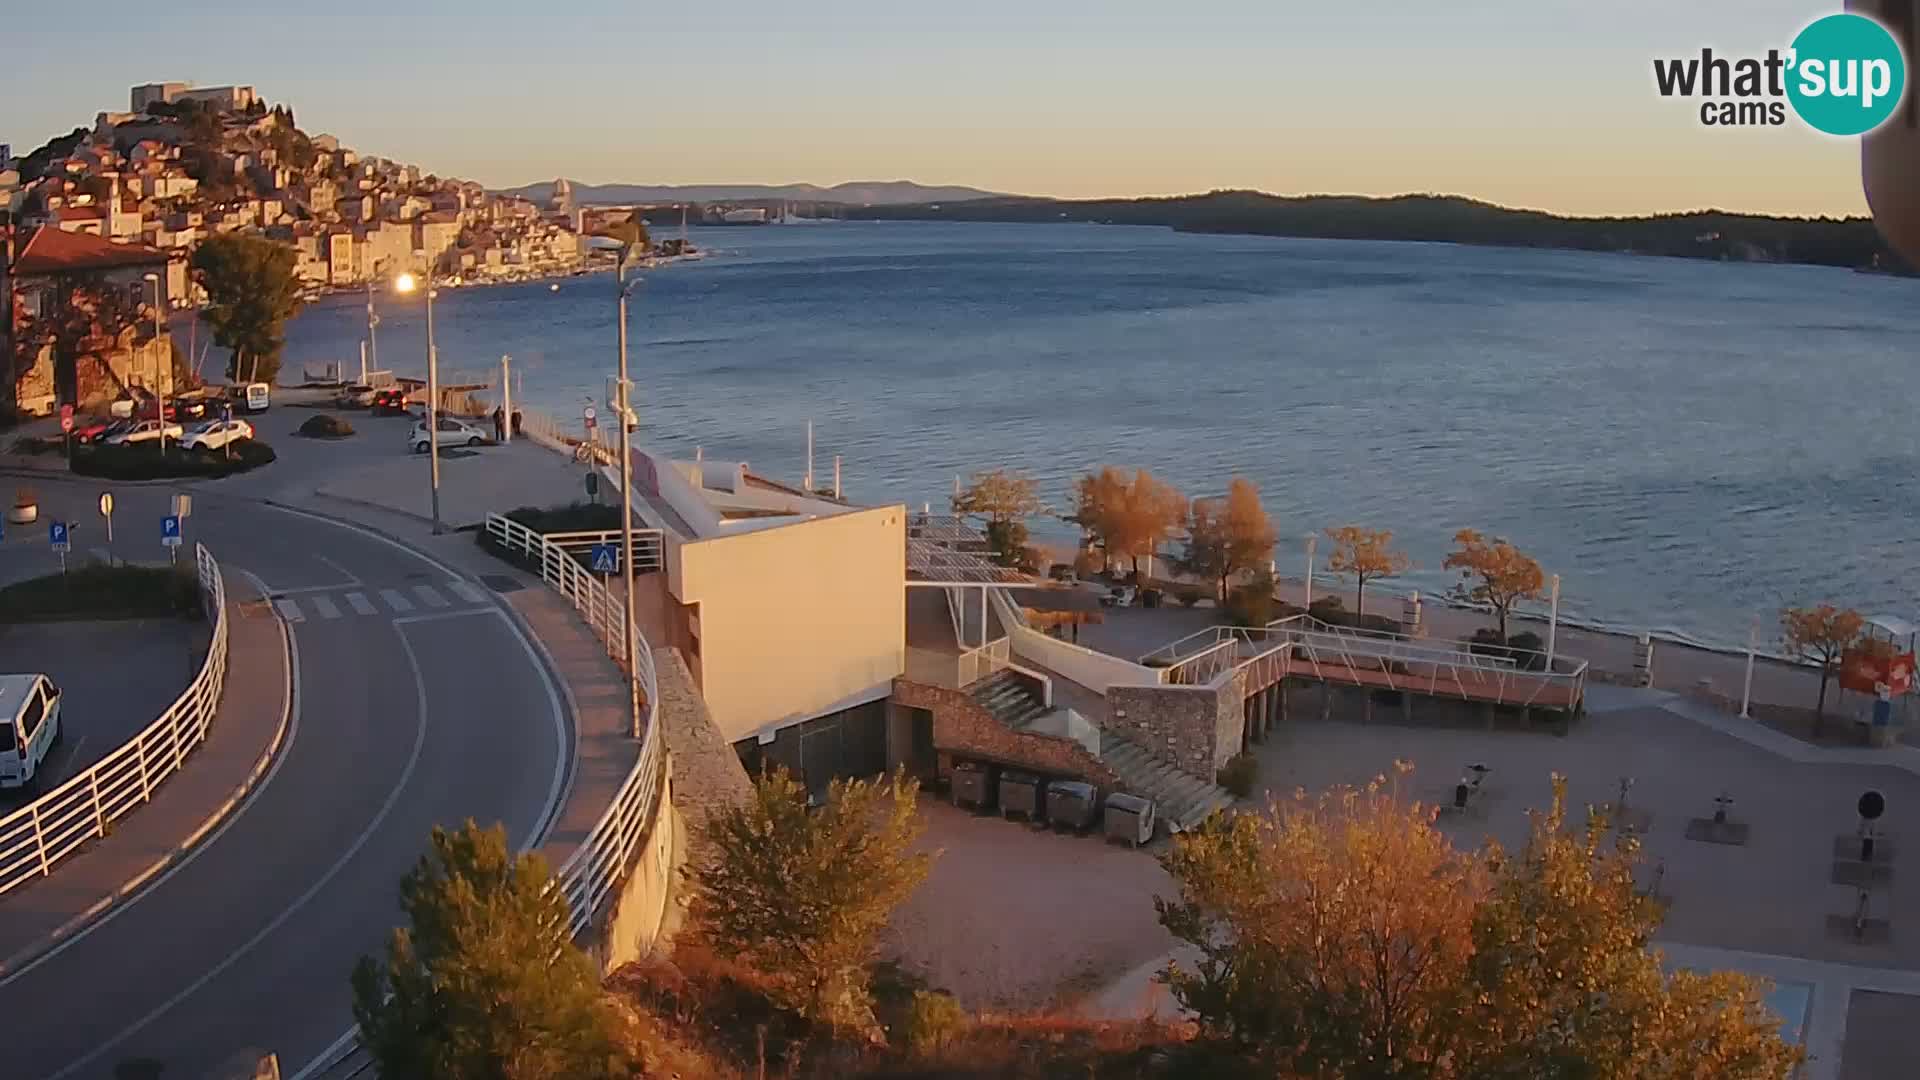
[
  {"x": 573, "y": 517},
  {"x": 1238, "y": 774},
  {"x": 1252, "y": 604},
  {"x": 325, "y": 426},
  {"x": 932, "y": 1021},
  {"x": 102, "y": 592},
  {"x": 1189, "y": 596},
  {"x": 1528, "y": 650},
  {"x": 145, "y": 461}
]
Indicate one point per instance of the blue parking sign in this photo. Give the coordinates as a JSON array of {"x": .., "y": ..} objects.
[
  {"x": 170, "y": 530},
  {"x": 57, "y": 536},
  {"x": 606, "y": 558}
]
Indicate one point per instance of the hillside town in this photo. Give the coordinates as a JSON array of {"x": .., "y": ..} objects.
[{"x": 125, "y": 202}]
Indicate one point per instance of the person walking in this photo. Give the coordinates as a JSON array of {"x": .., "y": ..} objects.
[
  {"x": 516, "y": 423},
  {"x": 499, "y": 424}
]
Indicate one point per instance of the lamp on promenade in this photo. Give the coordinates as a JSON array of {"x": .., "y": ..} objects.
[
  {"x": 165, "y": 360},
  {"x": 1313, "y": 540},
  {"x": 373, "y": 320},
  {"x": 632, "y": 236},
  {"x": 406, "y": 283}
]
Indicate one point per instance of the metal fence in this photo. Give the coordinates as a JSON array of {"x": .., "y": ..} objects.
[
  {"x": 646, "y": 545},
  {"x": 34, "y": 838},
  {"x": 591, "y": 872}
]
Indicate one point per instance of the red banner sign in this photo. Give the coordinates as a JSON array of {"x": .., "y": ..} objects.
[{"x": 1875, "y": 666}]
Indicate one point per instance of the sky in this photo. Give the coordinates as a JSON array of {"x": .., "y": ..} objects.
[{"x": 1547, "y": 104}]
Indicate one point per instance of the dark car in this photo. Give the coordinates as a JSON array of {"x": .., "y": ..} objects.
[
  {"x": 390, "y": 400},
  {"x": 187, "y": 409}
]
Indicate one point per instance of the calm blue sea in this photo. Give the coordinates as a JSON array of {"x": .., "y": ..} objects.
[{"x": 1688, "y": 444}]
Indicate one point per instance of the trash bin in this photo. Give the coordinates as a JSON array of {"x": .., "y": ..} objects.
[
  {"x": 1072, "y": 804},
  {"x": 973, "y": 785},
  {"x": 1129, "y": 818},
  {"x": 1021, "y": 793}
]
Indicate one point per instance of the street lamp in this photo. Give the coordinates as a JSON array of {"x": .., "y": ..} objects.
[
  {"x": 166, "y": 356},
  {"x": 373, "y": 320},
  {"x": 406, "y": 283},
  {"x": 629, "y": 247}
]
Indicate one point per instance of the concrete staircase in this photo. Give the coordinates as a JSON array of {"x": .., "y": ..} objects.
[
  {"x": 1184, "y": 800},
  {"x": 1008, "y": 699}
]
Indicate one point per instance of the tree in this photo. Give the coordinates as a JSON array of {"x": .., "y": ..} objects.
[
  {"x": 1366, "y": 554},
  {"x": 803, "y": 894},
  {"x": 1495, "y": 573},
  {"x": 1344, "y": 936},
  {"x": 1821, "y": 634},
  {"x": 1130, "y": 518},
  {"x": 1331, "y": 932},
  {"x": 1565, "y": 985},
  {"x": 80, "y": 315},
  {"x": 1227, "y": 536},
  {"x": 251, "y": 293},
  {"x": 485, "y": 981},
  {"x": 1003, "y": 500}
]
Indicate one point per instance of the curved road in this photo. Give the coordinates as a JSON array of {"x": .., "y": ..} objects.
[{"x": 417, "y": 703}]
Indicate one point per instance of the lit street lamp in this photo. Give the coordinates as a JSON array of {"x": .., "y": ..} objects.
[
  {"x": 406, "y": 283},
  {"x": 165, "y": 349}
]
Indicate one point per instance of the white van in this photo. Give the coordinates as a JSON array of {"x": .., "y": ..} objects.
[
  {"x": 29, "y": 726},
  {"x": 257, "y": 397}
]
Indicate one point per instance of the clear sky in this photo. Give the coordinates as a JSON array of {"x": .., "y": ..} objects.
[{"x": 1545, "y": 104}]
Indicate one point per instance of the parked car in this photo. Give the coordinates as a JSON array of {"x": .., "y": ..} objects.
[
  {"x": 215, "y": 434},
  {"x": 389, "y": 399},
  {"x": 135, "y": 402},
  {"x": 357, "y": 396},
  {"x": 140, "y": 431},
  {"x": 95, "y": 429},
  {"x": 187, "y": 408},
  {"x": 452, "y": 433},
  {"x": 29, "y": 726},
  {"x": 253, "y": 397}
]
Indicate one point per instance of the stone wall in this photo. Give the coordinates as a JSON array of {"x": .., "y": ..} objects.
[
  {"x": 1195, "y": 728},
  {"x": 963, "y": 728}
]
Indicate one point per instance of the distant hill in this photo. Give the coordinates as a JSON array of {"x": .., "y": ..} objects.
[
  {"x": 1702, "y": 234},
  {"x": 857, "y": 193}
]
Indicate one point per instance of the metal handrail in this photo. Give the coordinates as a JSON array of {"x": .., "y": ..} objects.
[
  {"x": 601, "y": 860},
  {"x": 34, "y": 838}
]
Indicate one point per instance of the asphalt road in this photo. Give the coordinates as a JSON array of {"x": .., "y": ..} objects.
[{"x": 417, "y": 704}]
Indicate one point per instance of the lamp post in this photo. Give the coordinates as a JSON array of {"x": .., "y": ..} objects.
[
  {"x": 165, "y": 359},
  {"x": 1313, "y": 541},
  {"x": 628, "y": 249},
  {"x": 406, "y": 283},
  {"x": 373, "y": 320}
]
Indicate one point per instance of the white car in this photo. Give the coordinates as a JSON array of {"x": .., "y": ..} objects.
[
  {"x": 145, "y": 431},
  {"x": 452, "y": 433},
  {"x": 215, "y": 434}
]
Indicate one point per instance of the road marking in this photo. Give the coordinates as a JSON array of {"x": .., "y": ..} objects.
[
  {"x": 291, "y": 710},
  {"x": 361, "y": 605},
  {"x": 393, "y": 798},
  {"x": 429, "y": 597},
  {"x": 395, "y": 600},
  {"x": 467, "y": 592},
  {"x": 343, "y": 571},
  {"x": 289, "y": 610},
  {"x": 324, "y": 606},
  {"x": 437, "y": 616}
]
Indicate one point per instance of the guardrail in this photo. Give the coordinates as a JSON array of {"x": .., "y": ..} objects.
[
  {"x": 591, "y": 872},
  {"x": 38, "y": 835},
  {"x": 646, "y": 544}
]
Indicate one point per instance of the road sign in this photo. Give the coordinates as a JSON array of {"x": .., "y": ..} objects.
[
  {"x": 57, "y": 536},
  {"x": 606, "y": 558},
  {"x": 182, "y": 505},
  {"x": 170, "y": 530},
  {"x": 66, "y": 417},
  {"x": 590, "y": 417},
  {"x": 106, "y": 504}
]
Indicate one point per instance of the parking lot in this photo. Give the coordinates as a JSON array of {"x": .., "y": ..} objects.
[{"x": 115, "y": 678}]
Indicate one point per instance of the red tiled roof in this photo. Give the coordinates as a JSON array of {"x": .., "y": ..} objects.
[
  {"x": 79, "y": 213},
  {"x": 53, "y": 251}
]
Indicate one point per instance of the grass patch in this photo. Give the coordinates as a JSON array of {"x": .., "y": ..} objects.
[
  {"x": 103, "y": 592},
  {"x": 145, "y": 461}
]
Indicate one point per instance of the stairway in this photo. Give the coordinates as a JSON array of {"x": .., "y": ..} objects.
[
  {"x": 1184, "y": 800},
  {"x": 1008, "y": 699}
]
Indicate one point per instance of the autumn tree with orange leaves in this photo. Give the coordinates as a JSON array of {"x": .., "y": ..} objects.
[
  {"x": 1129, "y": 517},
  {"x": 1367, "y": 555},
  {"x": 1495, "y": 573},
  {"x": 1821, "y": 634}
]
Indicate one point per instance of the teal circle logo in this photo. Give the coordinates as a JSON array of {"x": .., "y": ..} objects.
[{"x": 1847, "y": 74}]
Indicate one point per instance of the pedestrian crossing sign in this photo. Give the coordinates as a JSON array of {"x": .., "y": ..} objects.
[{"x": 606, "y": 558}]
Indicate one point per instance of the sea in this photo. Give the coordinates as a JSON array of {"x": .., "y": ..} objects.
[{"x": 1690, "y": 445}]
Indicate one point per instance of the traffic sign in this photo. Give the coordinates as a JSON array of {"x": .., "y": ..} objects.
[
  {"x": 182, "y": 505},
  {"x": 66, "y": 417},
  {"x": 57, "y": 536},
  {"x": 106, "y": 504},
  {"x": 170, "y": 530},
  {"x": 606, "y": 558},
  {"x": 590, "y": 417}
]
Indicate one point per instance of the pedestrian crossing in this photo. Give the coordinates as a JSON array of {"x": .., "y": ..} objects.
[{"x": 325, "y": 606}]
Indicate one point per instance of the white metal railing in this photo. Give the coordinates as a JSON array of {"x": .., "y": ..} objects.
[
  {"x": 593, "y": 870},
  {"x": 983, "y": 660},
  {"x": 38, "y": 835},
  {"x": 647, "y": 547}
]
